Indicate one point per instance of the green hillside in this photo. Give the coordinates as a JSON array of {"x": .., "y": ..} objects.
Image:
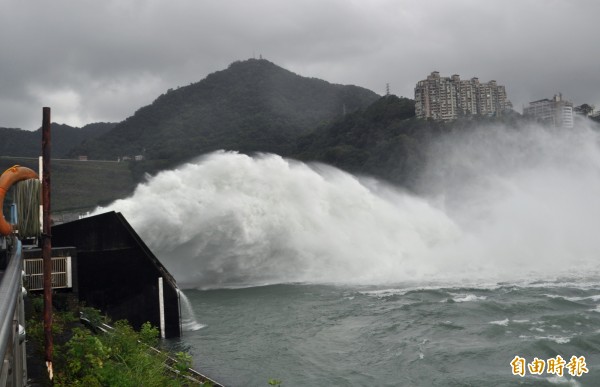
[
  {"x": 81, "y": 185},
  {"x": 386, "y": 140},
  {"x": 17, "y": 142},
  {"x": 253, "y": 105},
  {"x": 25, "y": 143}
]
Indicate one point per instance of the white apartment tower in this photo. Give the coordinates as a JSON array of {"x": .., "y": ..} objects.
[
  {"x": 447, "y": 98},
  {"x": 556, "y": 111}
]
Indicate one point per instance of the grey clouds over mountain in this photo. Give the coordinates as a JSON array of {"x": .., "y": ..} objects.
[{"x": 100, "y": 61}]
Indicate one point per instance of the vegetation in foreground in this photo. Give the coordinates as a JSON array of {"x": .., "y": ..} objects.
[{"x": 122, "y": 357}]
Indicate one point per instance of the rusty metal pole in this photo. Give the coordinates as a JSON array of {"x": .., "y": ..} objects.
[{"x": 46, "y": 240}]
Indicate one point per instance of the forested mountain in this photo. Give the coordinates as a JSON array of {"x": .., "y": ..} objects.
[
  {"x": 25, "y": 143},
  {"x": 382, "y": 140},
  {"x": 17, "y": 142},
  {"x": 253, "y": 105},
  {"x": 386, "y": 140}
]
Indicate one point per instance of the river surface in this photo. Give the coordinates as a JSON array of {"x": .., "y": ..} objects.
[{"x": 320, "y": 335}]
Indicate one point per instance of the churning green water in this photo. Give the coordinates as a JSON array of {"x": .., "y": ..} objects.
[{"x": 319, "y": 335}]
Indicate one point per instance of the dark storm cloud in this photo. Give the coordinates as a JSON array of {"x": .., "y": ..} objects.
[{"x": 100, "y": 61}]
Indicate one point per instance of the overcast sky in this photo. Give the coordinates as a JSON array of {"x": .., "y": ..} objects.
[{"x": 96, "y": 60}]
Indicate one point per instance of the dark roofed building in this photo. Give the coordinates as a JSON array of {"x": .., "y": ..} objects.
[{"x": 118, "y": 274}]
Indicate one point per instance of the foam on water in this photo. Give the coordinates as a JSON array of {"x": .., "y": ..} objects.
[
  {"x": 575, "y": 299},
  {"x": 503, "y": 323},
  {"x": 498, "y": 204},
  {"x": 467, "y": 298},
  {"x": 556, "y": 339},
  {"x": 563, "y": 381}
]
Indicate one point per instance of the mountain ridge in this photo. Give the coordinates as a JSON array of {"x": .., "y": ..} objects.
[
  {"x": 252, "y": 106},
  {"x": 26, "y": 143}
]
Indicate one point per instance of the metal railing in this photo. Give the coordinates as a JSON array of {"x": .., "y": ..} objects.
[{"x": 13, "y": 369}]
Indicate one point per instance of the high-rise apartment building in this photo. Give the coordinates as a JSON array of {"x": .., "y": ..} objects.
[
  {"x": 447, "y": 98},
  {"x": 556, "y": 111}
]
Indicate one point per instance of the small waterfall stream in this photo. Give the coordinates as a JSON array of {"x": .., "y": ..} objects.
[{"x": 188, "y": 317}]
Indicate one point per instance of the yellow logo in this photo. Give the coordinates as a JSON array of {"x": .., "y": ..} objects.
[{"x": 556, "y": 365}]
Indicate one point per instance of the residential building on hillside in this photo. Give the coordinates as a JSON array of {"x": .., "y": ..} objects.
[
  {"x": 557, "y": 111},
  {"x": 448, "y": 98}
]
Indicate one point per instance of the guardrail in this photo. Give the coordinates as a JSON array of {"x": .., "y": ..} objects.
[{"x": 13, "y": 369}]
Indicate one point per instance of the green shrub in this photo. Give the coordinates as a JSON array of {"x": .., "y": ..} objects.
[{"x": 120, "y": 357}]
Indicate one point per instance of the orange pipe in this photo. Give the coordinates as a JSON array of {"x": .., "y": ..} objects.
[{"x": 9, "y": 177}]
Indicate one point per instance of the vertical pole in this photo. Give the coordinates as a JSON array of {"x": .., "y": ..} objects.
[
  {"x": 161, "y": 307},
  {"x": 41, "y": 175},
  {"x": 46, "y": 240}
]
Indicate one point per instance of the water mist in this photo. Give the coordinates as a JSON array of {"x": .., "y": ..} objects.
[{"x": 497, "y": 204}]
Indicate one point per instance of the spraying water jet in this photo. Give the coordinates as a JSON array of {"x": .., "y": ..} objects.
[{"x": 497, "y": 204}]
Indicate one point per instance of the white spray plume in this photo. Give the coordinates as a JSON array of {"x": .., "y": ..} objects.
[{"x": 502, "y": 204}]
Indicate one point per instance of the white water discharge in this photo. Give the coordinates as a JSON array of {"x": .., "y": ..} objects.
[
  {"x": 498, "y": 204},
  {"x": 188, "y": 317}
]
